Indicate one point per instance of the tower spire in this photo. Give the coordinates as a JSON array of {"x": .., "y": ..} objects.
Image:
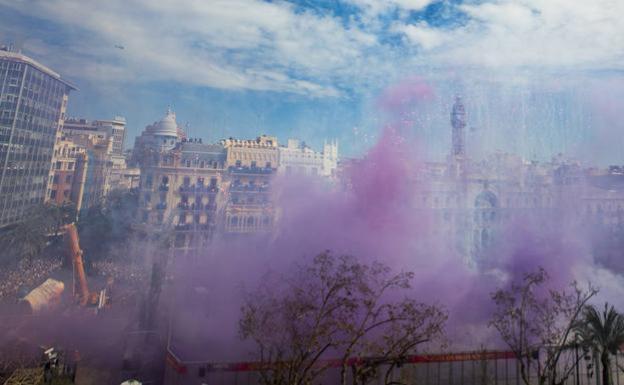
[{"x": 458, "y": 121}]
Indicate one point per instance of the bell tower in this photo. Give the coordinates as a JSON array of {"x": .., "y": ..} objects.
[{"x": 458, "y": 121}]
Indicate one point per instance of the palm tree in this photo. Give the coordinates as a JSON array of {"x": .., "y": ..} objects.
[{"x": 604, "y": 333}]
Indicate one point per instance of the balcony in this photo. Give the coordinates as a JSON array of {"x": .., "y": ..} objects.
[
  {"x": 183, "y": 226},
  {"x": 249, "y": 188},
  {"x": 161, "y": 206},
  {"x": 163, "y": 187},
  {"x": 196, "y": 189},
  {"x": 251, "y": 170},
  {"x": 184, "y": 206}
]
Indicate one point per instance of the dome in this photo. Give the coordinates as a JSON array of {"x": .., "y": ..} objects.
[{"x": 167, "y": 126}]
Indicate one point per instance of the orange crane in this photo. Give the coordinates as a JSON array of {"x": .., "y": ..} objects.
[{"x": 81, "y": 288}]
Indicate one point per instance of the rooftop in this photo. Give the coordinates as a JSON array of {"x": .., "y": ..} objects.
[{"x": 5, "y": 53}]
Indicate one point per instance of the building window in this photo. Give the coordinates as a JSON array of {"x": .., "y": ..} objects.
[
  {"x": 253, "y": 164},
  {"x": 213, "y": 182},
  {"x": 53, "y": 194},
  {"x": 238, "y": 163},
  {"x": 55, "y": 180},
  {"x": 268, "y": 165},
  {"x": 148, "y": 197},
  {"x": 180, "y": 240},
  {"x": 66, "y": 193},
  {"x": 58, "y": 165},
  {"x": 70, "y": 166},
  {"x": 187, "y": 181},
  {"x": 68, "y": 179}
]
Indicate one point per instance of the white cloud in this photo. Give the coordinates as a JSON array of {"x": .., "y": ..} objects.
[
  {"x": 422, "y": 34},
  {"x": 233, "y": 44},
  {"x": 258, "y": 45},
  {"x": 380, "y": 6},
  {"x": 542, "y": 34}
]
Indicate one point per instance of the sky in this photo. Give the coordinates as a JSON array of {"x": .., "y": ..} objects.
[{"x": 538, "y": 77}]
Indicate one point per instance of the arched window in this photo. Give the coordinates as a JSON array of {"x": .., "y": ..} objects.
[
  {"x": 485, "y": 238},
  {"x": 486, "y": 199}
]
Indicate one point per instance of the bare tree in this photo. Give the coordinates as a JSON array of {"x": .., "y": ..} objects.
[
  {"x": 382, "y": 331},
  {"x": 336, "y": 307},
  {"x": 537, "y": 324}
]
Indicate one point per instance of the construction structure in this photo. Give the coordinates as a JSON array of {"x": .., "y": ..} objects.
[
  {"x": 80, "y": 286},
  {"x": 44, "y": 297}
]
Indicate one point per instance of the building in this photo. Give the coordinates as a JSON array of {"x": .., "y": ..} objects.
[
  {"x": 81, "y": 170},
  {"x": 472, "y": 200},
  {"x": 33, "y": 101},
  {"x": 298, "y": 158},
  {"x": 180, "y": 182},
  {"x": 67, "y": 178},
  {"x": 263, "y": 152},
  {"x": 98, "y": 169},
  {"x": 251, "y": 165},
  {"x": 157, "y": 137},
  {"x": 181, "y": 189},
  {"x": 201, "y": 190},
  {"x": 114, "y": 128}
]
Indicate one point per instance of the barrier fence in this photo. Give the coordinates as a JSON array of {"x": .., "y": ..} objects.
[{"x": 466, "y": 368}]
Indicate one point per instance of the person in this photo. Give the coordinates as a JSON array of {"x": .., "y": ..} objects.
[{"x": 47, "y": 372}]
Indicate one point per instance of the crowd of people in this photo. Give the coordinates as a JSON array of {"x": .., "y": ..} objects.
[
  {"x": 26, "y": 276},
  {"x": 124, "y": 273}
]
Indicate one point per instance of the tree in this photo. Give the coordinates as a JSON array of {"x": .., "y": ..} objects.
[
  {"x": 28, "y": 238},
  {"x": 604, "y": 333},
  {"x": 108, "y": 225},
  {"x": 336, "y": 307},
  {"x": 537, "y": 324},
  {"x": 379, "y": 332}
]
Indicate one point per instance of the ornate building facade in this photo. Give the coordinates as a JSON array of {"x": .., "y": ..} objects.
[
  {"x": 225, "y": 188},
  {"x": 298, "y": 158},
  {"x": 471, "y": 201},
  {"x": 200, "y": 189}
]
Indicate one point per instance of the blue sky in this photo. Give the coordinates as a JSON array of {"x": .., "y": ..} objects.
[{"x": 538, "y": 76}]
